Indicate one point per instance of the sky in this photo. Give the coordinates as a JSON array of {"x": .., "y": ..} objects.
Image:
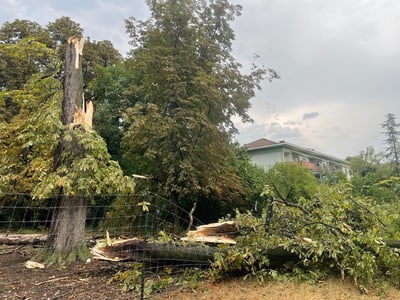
[{"x": 339, "y": 63}]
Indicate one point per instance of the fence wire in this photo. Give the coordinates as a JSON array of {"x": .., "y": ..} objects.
[{"x": 146, "y": 216}]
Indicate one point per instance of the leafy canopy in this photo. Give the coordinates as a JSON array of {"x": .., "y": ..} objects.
[{"x": 188, "y": 89}]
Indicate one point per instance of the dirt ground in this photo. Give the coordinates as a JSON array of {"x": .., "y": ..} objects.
[
  {"x": 80, "y": 281},
  {"x": 92, "y": 281}
]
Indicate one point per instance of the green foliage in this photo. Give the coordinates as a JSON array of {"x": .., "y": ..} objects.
[
  {"x": 97, "y": 54},
  {"x": 122, "y": 214},
  {"x": 253, "y": 178},
  {"x": 110, "y": 91},
  {"x": 392, "y": 219},
  {"x": 19, "y": 61},
  {"x": 27, "y": 141},
  {"x": 292, "y": 181},
  {"x": 189, "y": 88},
  {"x": 62, "y": 29},
  {"x": 370, "y": 161},
  {"x": 13, "y": 32},
  {"x": 335, "y": 232},
  {"x": 381, "y": 191},
  {"x": 373, "y": 177},
  {"x": 28, "y": 145},
  {"x": 131, "y": 279},
  {"x": 91, "y": 172}
]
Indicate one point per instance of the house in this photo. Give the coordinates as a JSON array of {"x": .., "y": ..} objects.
[{"x": 265, "y": 153}]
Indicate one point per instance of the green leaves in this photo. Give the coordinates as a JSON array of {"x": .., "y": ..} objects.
[
  {"x": 292, "y": 181},
  {"x": 335, "y": 232},
  {"x": 87, "y": 173},
  {"x": 29, "y": 138},
  {"x": 188, "y": 88},
  {"x": 21, "y": 60}
]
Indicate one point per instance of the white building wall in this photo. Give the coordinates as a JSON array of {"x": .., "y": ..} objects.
[{"x": 266, "y": 158}]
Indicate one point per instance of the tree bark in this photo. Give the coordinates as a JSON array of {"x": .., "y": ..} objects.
[
  {"x": 67, "y": 229},
  {"x": 137, "y": 249},
  {"x": 67, "y": 226},
  {"x": 72, "y": 100}
]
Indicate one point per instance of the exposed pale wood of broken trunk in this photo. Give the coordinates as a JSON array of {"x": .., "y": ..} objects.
[{"x": 216, "y": 233}]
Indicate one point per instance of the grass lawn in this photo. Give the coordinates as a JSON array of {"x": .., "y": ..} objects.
[{"x": 237, "y": 289}]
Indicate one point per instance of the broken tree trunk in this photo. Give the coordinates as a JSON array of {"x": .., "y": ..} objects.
[
  {"x": 67, "y": 228},
  {"x": 193, "y": 252},
  {"x": 138, "y": 249},
  {"x": 198, "y": 247},
  {"x": 154, "y": 252}
]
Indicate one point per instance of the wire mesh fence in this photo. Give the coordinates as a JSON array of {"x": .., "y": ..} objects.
[{"x": 145, "y": 228}]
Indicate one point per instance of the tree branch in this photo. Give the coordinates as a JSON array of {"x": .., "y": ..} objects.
[{"x": 295, "y": 205}]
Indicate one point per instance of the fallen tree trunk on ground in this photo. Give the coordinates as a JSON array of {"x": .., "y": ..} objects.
[
  {"x": 22, "y": 239},
  {"x": 187, "y": 253},
  {"x": 188, "y": 250},
  {"x": 138, "y": 249},
  {"x": 198, "y": 247}
]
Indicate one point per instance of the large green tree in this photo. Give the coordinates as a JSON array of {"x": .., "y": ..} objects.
[
  {"x": 20, "y": 60},
  {"x": 13, "y": 32},
  {"x": 111, "y": 92},
  {"x": 61, "y": 30},
  {"x": 188, "y": 89}
]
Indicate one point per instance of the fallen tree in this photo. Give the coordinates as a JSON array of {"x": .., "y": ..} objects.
[
  {"x": 22, "y": 239},
  {"x": 199, "y": 247},
  {"x": 334, "y": 232}
]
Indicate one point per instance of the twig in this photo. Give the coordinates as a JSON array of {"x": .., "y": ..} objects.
[
  {"x": 11, "y": 251},
  {"x": 191, "y": 216},
  {"x": 51, "y": 280},
  {"x": 365, "y": 208},
  {"x": 295, "y": 205},
  {"x": 290, "y": 204}
]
